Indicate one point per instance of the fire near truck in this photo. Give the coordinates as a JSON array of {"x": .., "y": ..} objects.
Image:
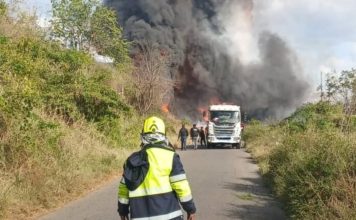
[{"x": 224, "y": 126}]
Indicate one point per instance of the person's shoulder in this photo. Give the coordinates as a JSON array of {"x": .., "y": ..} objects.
[
  {"x": 176, "y": 156},
  {"x": 135, "y": 153}
]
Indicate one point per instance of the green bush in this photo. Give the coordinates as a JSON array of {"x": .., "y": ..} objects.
[
  {"x": 256, "y": 129},
  {"x": 96, "y": 100},
  {"x": 62, "y": 125},
  {"x": 313, "y": 115},
  {"x": 309, "y": 160},
  {"x": 305, "y": 169}
]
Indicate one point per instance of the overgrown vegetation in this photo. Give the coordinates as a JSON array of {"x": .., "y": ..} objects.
[
  {"x": 65, "y": 122},
  {"x": 309, "y": 160}
]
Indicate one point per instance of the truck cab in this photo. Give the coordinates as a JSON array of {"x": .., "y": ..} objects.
[{"x": 224, "y": 126}]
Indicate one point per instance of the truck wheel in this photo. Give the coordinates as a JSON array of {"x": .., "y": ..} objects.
[{"x": 237, "y": 146}]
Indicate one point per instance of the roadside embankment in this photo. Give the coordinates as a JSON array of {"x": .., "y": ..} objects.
[
  {"x": 309, "y": 160},
  {"x": 67, "y": 123},
  {"x": 63, "y": 126},
  {"x": 63, "y": 129}
]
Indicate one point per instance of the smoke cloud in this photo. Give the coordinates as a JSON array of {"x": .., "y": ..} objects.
[{"x": 217, "y": 54}]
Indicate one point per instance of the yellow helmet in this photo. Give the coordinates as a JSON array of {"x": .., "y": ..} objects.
[{"x": 154, "y": 125}]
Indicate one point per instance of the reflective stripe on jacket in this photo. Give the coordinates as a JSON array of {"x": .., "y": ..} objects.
[{"x": 164, "y": 187}]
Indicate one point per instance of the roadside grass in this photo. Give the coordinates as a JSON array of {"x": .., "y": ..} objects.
[
  {"x": 65, "y": 121},
  {"x": 310, "y": 165},
  {"x": 259, "y": 134},
  {"x": 57, "y": 166},
  {"x": 64, "y": 127}
]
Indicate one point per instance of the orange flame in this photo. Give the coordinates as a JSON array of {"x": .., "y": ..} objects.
[
  {"x": 213, "y": 101},
  {"x": 204, "y": 112},
  {"x": 206, "y": 115},
  {"x": 165, "y": 108}
]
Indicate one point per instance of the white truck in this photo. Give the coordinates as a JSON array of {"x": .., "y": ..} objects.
[{"x": 224, "y": 126}]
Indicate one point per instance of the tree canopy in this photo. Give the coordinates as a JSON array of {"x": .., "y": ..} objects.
[{"x": 88, "y": 25}]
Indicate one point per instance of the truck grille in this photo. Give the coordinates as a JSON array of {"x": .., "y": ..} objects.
[
  {"x": 224, "y": 138},
  {"x": 223, "y": 132}
]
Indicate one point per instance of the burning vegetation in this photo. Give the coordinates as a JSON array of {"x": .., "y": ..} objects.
[{"x": 165, "y": 108}]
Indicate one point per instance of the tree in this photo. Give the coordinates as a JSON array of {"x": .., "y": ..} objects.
[
  {"x": 332, "y": 86},
  {"x": 88, "y": 25},
  {"x": 106, "y": 34},
  {"x": 71, "y": 21},
  {"x": 342, "y": 88},
  {"x": 151, "y": 82}
]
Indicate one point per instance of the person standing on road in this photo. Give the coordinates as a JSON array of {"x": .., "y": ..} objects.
[
  {"x": 202, "y": 137},
  {"x": 194, "y": 134},
  {"x": 183, "y": 136},
  {"x": 154, "y": 181}
]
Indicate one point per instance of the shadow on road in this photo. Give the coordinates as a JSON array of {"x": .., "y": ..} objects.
[
  {"x": 191, "y": 147},
  {"x": 254, "y": 201},
  {"x": 253, "y": 212}
]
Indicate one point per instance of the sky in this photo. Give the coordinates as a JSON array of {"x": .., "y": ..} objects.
[{"x": 321, "y": 32}]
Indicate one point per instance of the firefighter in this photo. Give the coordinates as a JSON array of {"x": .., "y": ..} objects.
[
  {"x": 154, "y": 181},
  {"x": 183, "y": 136},
  {"x": 194, "y": 134}
]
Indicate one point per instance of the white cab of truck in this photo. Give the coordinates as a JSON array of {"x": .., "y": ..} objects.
[{"x": 224, "y": 126}]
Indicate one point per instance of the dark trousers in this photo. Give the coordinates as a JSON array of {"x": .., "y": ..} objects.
[
  {"x": 183, "y": 141},
  {"x": 202, "y": 140}
]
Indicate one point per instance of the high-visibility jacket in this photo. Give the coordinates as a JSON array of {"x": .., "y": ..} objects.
[{"x": 159, "y": 195}]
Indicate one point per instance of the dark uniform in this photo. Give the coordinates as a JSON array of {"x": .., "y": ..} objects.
[
  {"x": 202, "y": 137},
  {"x": 183, "y": 136}
]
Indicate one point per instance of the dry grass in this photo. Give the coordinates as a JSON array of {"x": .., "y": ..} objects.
[
  {"x": 312, "y": 172},
  {"x": 261, "y": 147},
  {"x": 346, "y": 186},
  {"x": 65, "y": 126},
  {"x": 81, "y": 159}
]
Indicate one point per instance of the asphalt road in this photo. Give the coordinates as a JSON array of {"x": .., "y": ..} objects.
[{"x": 225, "y": 185}]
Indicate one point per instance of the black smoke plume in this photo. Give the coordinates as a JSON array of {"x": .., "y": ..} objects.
[{"x": 191, "y": 31}]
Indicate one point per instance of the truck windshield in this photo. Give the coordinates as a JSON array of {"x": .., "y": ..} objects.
[{"x": 224, "y": 116}]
